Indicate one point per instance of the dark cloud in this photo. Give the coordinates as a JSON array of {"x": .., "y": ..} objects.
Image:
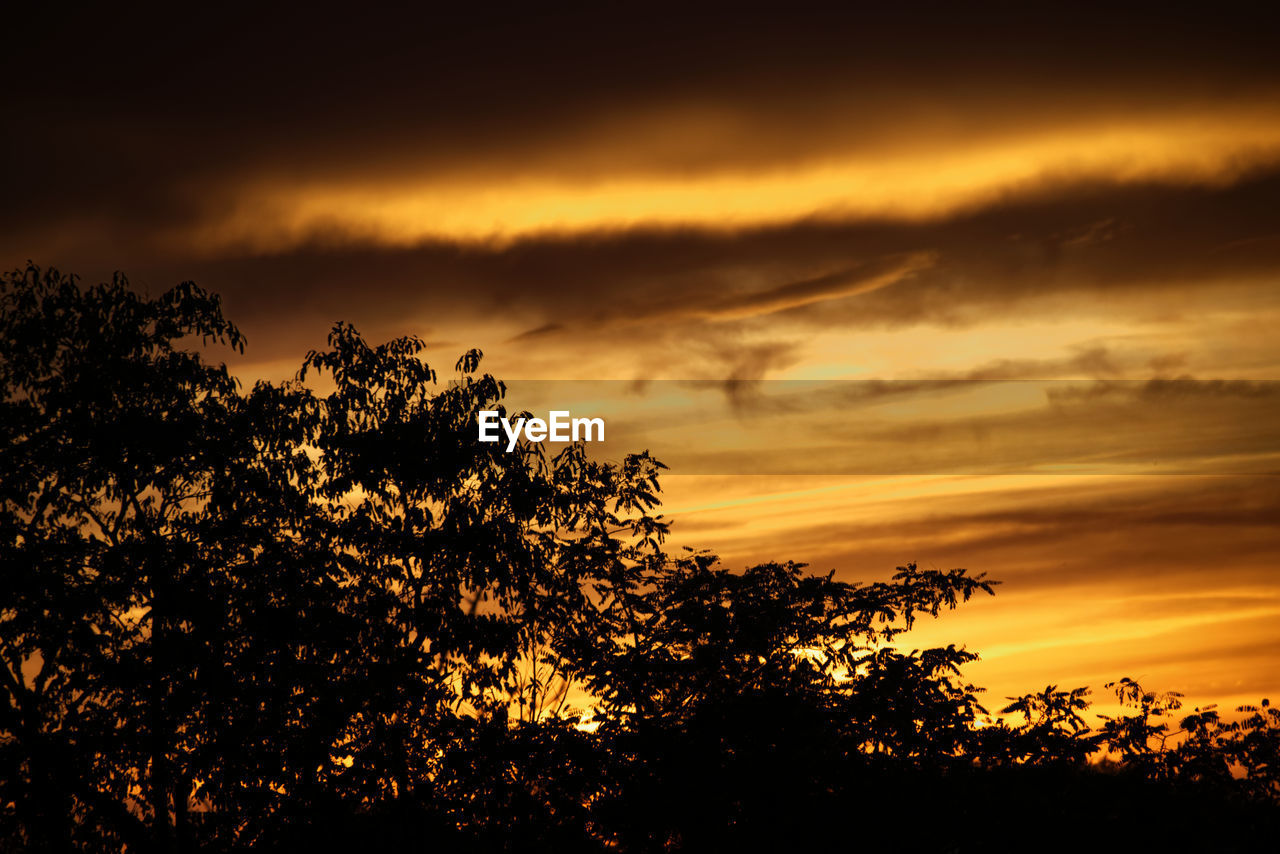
[
  {"x": 284, "y": 73},
  {"x": 868, "y": 277},
  {"x": 538, "y": 332},
  {"x": 1093, "y": 361},
  {"x": 122, "y": 125},
  {"x": 1189, "y": 533},
  {"x": 1173, "y": 390},
  {"x": 1001, "y": 260},
  {"x": 126, "y": 130},
  {"x": 801, "y": 396}
]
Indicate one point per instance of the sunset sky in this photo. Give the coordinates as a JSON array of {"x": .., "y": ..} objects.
[{"x": 1031, "y": 193}]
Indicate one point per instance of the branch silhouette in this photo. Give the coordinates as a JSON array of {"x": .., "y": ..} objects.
[{"x": 279, "y": 617}]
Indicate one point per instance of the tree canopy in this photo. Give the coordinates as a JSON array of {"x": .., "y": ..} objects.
[{"x": 321, "y": 612}]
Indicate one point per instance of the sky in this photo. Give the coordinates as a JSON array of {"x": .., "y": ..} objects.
[{"x": 909, "y": 196}]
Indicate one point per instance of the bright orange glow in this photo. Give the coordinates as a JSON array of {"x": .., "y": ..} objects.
[{"x": 912, "y": 184}]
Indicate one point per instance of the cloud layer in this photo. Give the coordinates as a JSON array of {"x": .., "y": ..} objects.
[{"x": 919, "y": 199}]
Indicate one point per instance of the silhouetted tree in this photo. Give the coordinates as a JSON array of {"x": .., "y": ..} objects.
[
  {"x": 719, "y": 691},
  {"x": 326, "y": 615},
  {"x": 253, "y": 612},
  {"x": 169, "y": 617},
  {"x": 465, "y": 565}
]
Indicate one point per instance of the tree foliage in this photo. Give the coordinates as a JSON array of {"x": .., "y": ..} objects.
[{"x": 321, "y": 612}]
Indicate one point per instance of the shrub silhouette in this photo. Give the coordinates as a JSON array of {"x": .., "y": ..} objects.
[{"x": 281, "y": 617}]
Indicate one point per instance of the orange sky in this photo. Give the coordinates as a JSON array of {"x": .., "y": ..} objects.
[{"x": 821, "y": 196}]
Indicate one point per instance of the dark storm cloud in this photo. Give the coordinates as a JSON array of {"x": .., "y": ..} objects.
[
  {"x": 995, "y": 261},
  {"x": 126, "y": 131},
  {"x": 125, "y": 124},
  {"x": 278, "y": 77}
]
